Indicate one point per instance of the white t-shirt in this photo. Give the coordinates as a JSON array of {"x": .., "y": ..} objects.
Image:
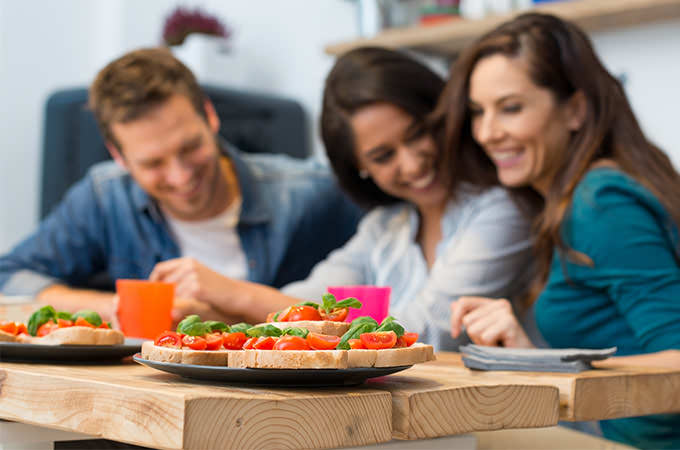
[{"x": 213, "y": 242}]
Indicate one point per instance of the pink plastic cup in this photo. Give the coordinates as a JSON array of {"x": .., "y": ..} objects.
[{"x": 375, "y": 300}]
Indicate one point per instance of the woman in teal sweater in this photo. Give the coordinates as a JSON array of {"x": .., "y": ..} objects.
[{"x": 532, "y": 98}]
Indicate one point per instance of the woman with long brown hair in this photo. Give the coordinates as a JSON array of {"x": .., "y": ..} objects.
[{"x": 532, "y": 99}]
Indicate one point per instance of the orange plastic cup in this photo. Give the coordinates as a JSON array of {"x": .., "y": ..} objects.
[{"x": 144, "y": 307}]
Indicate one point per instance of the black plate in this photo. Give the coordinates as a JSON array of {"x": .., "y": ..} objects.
[
  {"x": 273, "y": 377},
  {"x": 16, "y": 351}
]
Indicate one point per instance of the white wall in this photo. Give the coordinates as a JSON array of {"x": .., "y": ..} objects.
[{"x": 278, "y": 45}]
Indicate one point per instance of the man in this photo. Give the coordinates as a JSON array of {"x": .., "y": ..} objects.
[{"x": 179, "y": 194}]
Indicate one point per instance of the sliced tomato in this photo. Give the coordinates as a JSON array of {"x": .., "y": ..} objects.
[
  {"x": 47, "y": 328},
  {"x": 81, "y": 322},
  {"x": 21, "y": 329},
  {"x": 270, "y": 317},
  {"x": 283, "y": 315},
  {"x": 336, "y": 315},
  {"x": 297, "y": 313},
  {"x": 105, "y": 326},
  {"x": 194, "y": 342},
  {"x": 401, "y": 343},
  {"x": 356, "y": 344},
  {"x": 410, "y": 338},
  {"x": 213, "y": 341},
  {"x": 379, "y": 339},
  {"x": 169, "y": 339},
  {"x": 63, "y": 323},
  {"x": 234, "y": 341},
  {"x": 9, "y": 327},
  {"x": 248, "y": 345},
  {"x": 291, "y": 343},
  {"x": 319, "y": 341},
  {"x": 264, "y": 343}
]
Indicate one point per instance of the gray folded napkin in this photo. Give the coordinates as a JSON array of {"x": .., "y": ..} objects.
[{"x": 534, "y": 360}]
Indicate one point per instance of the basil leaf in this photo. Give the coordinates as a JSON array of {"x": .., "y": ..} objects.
[
  {"x": 240, "y": 327},
  {"x": 109, "y": 325},
  {"x": 92, "y": 317},
  {"x": 188, "y": 320},
  {"x": 217, "y": 326},
  {"x": 196, "y": 329},
  {"x": 363, "y": 319},
  {"x": 40, "y": 317},
  {"x": 354, "y": 332},
  {"x": 276, "y": 316},
  {"x": 295, "y": 331},
  {"x": 64, "y": 315},
  {"x": 329, "y": 302},
  {"x": 263, "y": 330},
  {"x": 389, "y": 324},
  {"x": 349, "y": 302}
]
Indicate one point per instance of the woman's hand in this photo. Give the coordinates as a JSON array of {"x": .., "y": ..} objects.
[{"x": 488, "y": 322}]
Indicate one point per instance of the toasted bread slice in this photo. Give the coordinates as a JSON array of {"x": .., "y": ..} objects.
[
  {"x": 361, "y": 358},
  {"x": 316, "y": 326},
  {"x": 183, "y": 356},
  {"x": 405, "y": 356},
  {"x": 77, "y": 335},
  {"x": 6, "y": 337},
  {"x": 291, "y": 359}
]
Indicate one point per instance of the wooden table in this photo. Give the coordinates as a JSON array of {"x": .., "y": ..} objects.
[{"x": 131, "y": 403}]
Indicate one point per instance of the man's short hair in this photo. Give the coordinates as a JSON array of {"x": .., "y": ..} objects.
[{"x": 137, "y": 82}]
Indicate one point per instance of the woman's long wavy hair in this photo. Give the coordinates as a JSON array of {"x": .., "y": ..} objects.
[{"x": 560, "y": 58}]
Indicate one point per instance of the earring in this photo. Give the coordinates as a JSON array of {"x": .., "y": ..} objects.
[{"x": 363, "y": 174}]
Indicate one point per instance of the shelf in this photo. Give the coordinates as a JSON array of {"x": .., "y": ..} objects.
[{"x": 447, "y": 39}]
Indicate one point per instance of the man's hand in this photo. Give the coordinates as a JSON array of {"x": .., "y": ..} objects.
[
  {"x": 183, "y": 307},
  {"x": 488, "y": 322},
  {"x": 192, "y": 279}
]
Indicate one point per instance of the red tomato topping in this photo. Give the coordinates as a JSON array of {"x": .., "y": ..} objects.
[
  {"x": 104, "y": 325},
  {"x": 270, "y": 317},
  {"x": 356, "y": 344},
  {"x": 336, "y": 315},
  {"x": 21, "y": 328},
  {"x": 379, "y": 339},
  {"x": 400, "y": 342},
  {"x": 291, "y": 343},
  {"x": 283, "y": 315},
  {"x": 410, "y": 338},
  {"x": 64, "y": 323},
  {"x": 264, "y": 343},
  {"x": 169, "y": 339},
  {"x": 194, "y": 342},
  {"x": 248, "y": 345},
  {"x": 81, "y": 322},
  {"x": 47, "y": 328},
  {"x": 301, "y": 313},
  {"x": 213, "y": 341},
  {"x": 234, "y": 341},
  {"x": 322, "y": 341},
  {"x": 9, "y": 327}
]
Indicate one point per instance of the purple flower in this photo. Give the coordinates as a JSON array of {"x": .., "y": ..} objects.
[{"x": 183, "y": 21}]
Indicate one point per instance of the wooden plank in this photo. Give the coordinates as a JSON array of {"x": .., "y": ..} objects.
[
  {"x": 448, "y": 39},
  {"x": 428, "y": 403},
  {"x": 138, "y": 405},
  {"x": 607, "y": 393}
]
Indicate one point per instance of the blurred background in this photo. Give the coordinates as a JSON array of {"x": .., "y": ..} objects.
[{"x": 274, "y": 47}]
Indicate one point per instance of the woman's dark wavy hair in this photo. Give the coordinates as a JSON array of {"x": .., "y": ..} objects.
[
  {"x": 363, "y": 77},
  {"x": 560, "y": 58}
]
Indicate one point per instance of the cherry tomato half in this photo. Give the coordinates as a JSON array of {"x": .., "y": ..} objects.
[
  {"x": 336, "y": 315},
  {"x": 213, "y": 341},
  {"x": 234, "y": 341},
  {"x": 21, "y": 328},
  {"x": 9, "y": 327},
  {"x": 264, "y": 343},
  {"x": 379, "y": 339},
  {"x": 47, "y": 328},
  {"x": 322, "y": 341},
  {"x": 297, "y": 313},
  {"x": 291, "y": 343},
  {"x": 104, "y": 325},
  {"x": 194, "y": 342},
  {"x": 64, "y": 323},
  {"x": 81, "y": 322},
  {"x": 410, "y": 338},
  {"x": 356, "y": 344},
  {"x": 169, "y": 339}
]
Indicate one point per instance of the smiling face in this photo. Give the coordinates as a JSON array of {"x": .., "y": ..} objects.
[
  {"x": 172, "y": 153},
  {"x": 400, "y": 163},
  {"x": 520, "y": 126}
]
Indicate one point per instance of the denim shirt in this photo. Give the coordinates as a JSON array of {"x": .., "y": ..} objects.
[
  {"x": 107, "y": 227},
  {"x": 485, "y": 250}
]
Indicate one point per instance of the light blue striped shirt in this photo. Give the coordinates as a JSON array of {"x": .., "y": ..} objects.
[{"x": 484, "y": 251}]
